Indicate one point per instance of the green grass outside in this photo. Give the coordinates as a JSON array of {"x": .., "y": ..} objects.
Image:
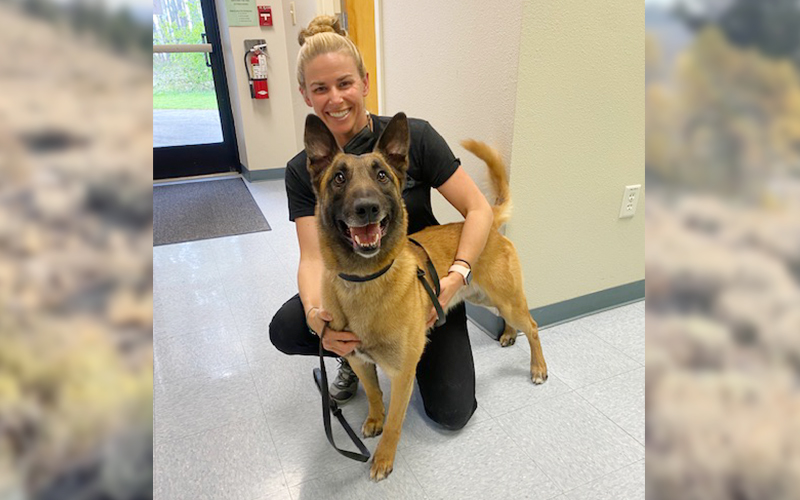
[{"x": 184, "y": 100}]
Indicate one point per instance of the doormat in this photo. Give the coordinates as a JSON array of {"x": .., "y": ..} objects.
[{"x": 202, "y": 210}]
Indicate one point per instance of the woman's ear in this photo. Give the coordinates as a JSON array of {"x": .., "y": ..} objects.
[
  {"x": 366, "y": 84},
  {"x": 305, "y": 96}
]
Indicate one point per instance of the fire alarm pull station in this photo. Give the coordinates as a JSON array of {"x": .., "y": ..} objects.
[{"x": 264, "y": 15}]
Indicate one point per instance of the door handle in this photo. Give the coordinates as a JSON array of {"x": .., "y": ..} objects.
[{"x": 205, "y": 40}]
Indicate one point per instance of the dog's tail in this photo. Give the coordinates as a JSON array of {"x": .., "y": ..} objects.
[{"x": 497, "y": 176}]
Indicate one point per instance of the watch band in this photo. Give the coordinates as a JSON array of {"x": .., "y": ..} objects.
[
  {"x": 464, "y": 261},
  {"x": 462, "y": 270}
]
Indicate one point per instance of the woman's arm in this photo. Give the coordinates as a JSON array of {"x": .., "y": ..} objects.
[
  {"x": 462, "y": 192},
  {"x": 309, "y": 281},
  {"x": 309, "y": 273}
]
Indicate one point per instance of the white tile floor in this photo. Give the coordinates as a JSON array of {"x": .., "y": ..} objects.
[{"x": 236, "y": 419}]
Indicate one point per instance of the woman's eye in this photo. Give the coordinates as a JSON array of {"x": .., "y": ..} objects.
[
  {"x": 382, "y": 176},
  {"x": 344, "y": 85},
  {"x": 339, "y": 178}
]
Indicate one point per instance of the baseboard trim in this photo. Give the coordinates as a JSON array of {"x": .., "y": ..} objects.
[
  {"x": 561, "y": 312},
  {"x": 268, "y": 174}
]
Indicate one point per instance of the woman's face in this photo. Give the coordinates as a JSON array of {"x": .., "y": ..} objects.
[{"x": 337, "y": 93}]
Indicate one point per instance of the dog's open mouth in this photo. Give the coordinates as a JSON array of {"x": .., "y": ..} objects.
[{"x": 366, "y": 240}]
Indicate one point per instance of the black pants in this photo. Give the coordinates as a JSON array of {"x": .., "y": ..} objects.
[{"x": 445, "y": 374}]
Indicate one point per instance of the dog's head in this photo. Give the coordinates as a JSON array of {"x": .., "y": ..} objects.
[{"x": 359, "y": 198}]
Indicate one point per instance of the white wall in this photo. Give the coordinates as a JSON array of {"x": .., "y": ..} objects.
[
  {"x": 454, "y": 63},
  {"x": 305, "y": 11},
  {"x": 268, "y": 131}
]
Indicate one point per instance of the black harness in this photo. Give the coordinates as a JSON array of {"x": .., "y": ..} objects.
[{"x": 321, "y": 378}]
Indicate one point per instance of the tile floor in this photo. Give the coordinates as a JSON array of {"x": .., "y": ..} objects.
[{"x": 236, "y": 419}]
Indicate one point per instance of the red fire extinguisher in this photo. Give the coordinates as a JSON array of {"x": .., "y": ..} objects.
[{"x": 255, "y": 62}]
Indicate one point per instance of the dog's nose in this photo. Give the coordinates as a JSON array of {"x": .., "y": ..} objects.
[{"x": 367, "y": 210}]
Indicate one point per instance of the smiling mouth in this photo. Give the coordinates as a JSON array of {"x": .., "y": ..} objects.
[
  {"x": 339, "y": 114},
  {"x": 365, "y": 240}
]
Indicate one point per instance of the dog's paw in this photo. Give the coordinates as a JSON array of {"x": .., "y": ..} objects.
[
  {"x": 538, "y": 374},
  {"x": 381, "y": 468},
  {"x": 372, "y": 427},
  {"x": 508, "y": 338}
]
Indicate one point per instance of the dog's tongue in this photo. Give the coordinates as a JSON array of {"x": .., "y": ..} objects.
[{"x": 366, "y": 235}]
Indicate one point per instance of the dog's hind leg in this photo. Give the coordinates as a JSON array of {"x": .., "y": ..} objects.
[
  {"x": 517, "y": 317},
  {"x": 368, "y": 376},
  {"x": 509, "y": 336}
]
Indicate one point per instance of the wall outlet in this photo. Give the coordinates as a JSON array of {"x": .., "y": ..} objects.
[{"x": 629, "y": 201}]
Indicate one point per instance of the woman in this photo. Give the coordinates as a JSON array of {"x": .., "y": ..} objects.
[{"x": 334, "y": 82}]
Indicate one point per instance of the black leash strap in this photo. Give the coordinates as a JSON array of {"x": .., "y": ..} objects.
[
  {"x": 329, "y": 406},
  {"x": 435, "y": 278}
]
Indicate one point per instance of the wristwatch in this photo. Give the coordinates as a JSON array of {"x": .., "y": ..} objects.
[{"x": 464, "y": 271}]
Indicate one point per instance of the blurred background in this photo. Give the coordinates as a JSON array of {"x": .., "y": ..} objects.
[
  {"x": 75, "y": 250},
  {"x": 723, "y": 249}
]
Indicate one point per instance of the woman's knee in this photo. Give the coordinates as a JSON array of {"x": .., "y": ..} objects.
[
  {"x": 285, "y": 325},
  {"x": 452, "y": 418},
  {"x": 277, "y": 334}
]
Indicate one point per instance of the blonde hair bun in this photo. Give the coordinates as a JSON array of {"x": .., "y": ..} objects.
[
  {"x": 320, "y": 24},
  {"x": 323, "y": 36}
]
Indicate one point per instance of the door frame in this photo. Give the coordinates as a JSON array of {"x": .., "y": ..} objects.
[{"x": 203, "y": 159}]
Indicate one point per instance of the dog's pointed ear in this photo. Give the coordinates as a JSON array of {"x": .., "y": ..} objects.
[
  {"x": 394, "y": 143},
  {"x": 321, "y": 148}
]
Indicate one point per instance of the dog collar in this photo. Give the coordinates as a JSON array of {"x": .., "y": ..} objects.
[{"x": 361, "y": 279}]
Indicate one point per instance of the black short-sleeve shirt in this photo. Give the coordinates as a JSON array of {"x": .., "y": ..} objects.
[{"x": 431, "y": 163}]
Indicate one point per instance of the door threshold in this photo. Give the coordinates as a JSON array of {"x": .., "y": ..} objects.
[{"x": 197, "y": 178}]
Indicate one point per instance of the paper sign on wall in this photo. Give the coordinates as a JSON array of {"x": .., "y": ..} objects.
[{"x": 242, "y": 12}]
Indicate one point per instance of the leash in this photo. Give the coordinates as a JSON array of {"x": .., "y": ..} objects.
[
  {"x": 435, "y": 278},
  {"x": 329, "y": 406}
]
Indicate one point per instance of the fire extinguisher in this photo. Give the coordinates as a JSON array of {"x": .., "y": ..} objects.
[{"x": 255, "y": 63}]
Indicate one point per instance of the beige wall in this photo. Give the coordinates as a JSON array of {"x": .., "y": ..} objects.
[{"x": 578, "y": 140}]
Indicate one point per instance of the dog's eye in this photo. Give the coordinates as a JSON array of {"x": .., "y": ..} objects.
[
  {"x": 339, "y": 178},
  {"x": 382, "y": 176}
]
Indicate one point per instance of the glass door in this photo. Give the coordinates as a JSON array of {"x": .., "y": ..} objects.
[{"x": 192, "y": 120}]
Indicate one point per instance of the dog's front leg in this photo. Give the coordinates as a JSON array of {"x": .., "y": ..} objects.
[
  {"x": 402, "y": 387},
  {"x": 368, "y": 376}
]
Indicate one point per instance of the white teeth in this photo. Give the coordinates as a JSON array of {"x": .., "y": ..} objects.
[
  {"x": 370, "y": 243},
  {"x": 339, "y": 114}
]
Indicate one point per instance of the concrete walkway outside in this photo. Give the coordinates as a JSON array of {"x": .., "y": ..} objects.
[{"x": 180, "y": 127}]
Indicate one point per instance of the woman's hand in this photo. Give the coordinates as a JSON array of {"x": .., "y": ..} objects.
[
  {"x": 448, "y": 286},
  {"x": 341, "y": 343}
]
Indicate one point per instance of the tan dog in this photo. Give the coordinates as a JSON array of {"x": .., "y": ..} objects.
[{"x": 362, "y": 225}]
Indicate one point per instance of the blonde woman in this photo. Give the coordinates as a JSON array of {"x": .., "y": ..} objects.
[{"x": 334, "y": 82}]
